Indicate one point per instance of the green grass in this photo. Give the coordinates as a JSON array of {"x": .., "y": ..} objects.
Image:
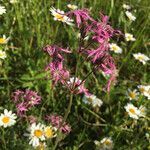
[{"x": 30, "y": 26}]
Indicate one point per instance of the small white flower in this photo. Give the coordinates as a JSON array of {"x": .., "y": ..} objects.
[
  {"x": 93, "y": 100},
  {"x": 145, "y": 90},
  {"x": 142, "y": 111},
  {"x": 115, "y": 48},
  {"x": 125, "y": 6},
  {"x": 73, "y": 7},
  {"x": 130, "y": 16},
  {"x": 36, "y": 134},
  {"x": 4, "y": 40},
  {"x": 7, "y": 118},
  {"x": 141, "y": 57},
  {"x": 2, "y": 10},
  {"x": 60, "y": 16},
  {"x": 107, "y": 143},
  {"x": 133, "y": 111},
  {"x": 132, "y": 94},
  {"x": 2, "y": 54},
  {"x": 129, "y": 37}
]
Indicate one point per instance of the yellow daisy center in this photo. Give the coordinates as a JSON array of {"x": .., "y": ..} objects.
[
  {"x": 1, "y": 54},
  {"x": 2, "y": 41},
  {"x": 90, "y": 99},
  {"x": 59, "y": 16},
  {"x": 132, "y": 110},
  {"x": 132, "y": 95},
  {"x": 49, "y": 133},
  {"x": 140, "y": 57},
  {"x": 5, "y": 119},
  {"x": 142, "y": 90},
  {"x": 115, "y": 48},
  {"x": 38, "y": 133},
  {"x": 107, "y": 142}
]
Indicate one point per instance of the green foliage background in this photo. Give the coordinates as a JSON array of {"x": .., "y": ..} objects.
[{"x": 30, "y": 26}]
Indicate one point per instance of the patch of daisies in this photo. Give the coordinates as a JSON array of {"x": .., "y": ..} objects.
[
  {"x": 129, "y": 38},
  {"x": 3, "y": 39},
  {"x": 39, "y": 133},
  {"x": 134, "y": 95}
]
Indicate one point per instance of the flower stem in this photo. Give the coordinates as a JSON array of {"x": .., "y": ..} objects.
[
  {"x": 3, "y": 139},
  {"x": 64, "y": 119}
]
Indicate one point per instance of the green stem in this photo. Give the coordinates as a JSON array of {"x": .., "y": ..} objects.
[
  {"x": 64, "y": 119},
  {"x": 3, "y": 139}
]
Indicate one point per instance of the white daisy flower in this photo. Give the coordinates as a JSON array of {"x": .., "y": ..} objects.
[
  {"x": 143, "y": 111},
  {"x": 107, "y": 143},
  {"x": 2, "y": 54},
  {"x": 133, "y": 111},
  {"x": 4, "y": 40},
  {"x": 130, "y": 16},
  {"x": 36, "y": 134},
  {"x": 129, "y": 37},
  {"x": 60, "y": 16},
  {"x": 132, "y": 94},
  {"x": 125, "y": 6},
  {"x": 141, "y": 57},
  {"x": 7, "y": 118},
  {"x": 50, "y": 132},
  {"x": 145, "y": 90},
  {"x": 93, "y": 100},
  {"x": 2, "y": 10},
  {"x": 73, "y": 7},
  {"x": 115, "y": 48}
]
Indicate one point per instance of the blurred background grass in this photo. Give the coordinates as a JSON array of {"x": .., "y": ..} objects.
[{"x": 30, "y": 26}]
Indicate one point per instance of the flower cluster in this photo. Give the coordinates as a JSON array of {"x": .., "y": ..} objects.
[
  {"x": 38, "y": 133},
  {"x": 130, "y": 16},
  {"x": 133, "y": 111},
  {"x": 25, "y": 100},
  {"x": 100, "y": 32},
  {"x": 57, "y": 122}
]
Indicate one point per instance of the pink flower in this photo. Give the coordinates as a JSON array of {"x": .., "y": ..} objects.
[
  {"x": 102, "y": 30},
  {"x": 16, "y": 95},
  {"x": 111, "y": 80},
  {"x": 32, "y": 98},
  {"x": 21, "y": 108},
  {"x": 25, "y": 100},
  {"x": 58, "y": 73},
  {"x": 55, "y": 52},
  {"x": 77, "y": 86},
  {"x": 56, "y": 121},
  {"x": 81, "y": 15}
]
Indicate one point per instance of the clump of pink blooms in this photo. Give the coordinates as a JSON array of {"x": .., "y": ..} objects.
[
  {"x": 98, "y": 55},
  {"x": 24, "y": 100},
  {"x": 57, "y": 121}
]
